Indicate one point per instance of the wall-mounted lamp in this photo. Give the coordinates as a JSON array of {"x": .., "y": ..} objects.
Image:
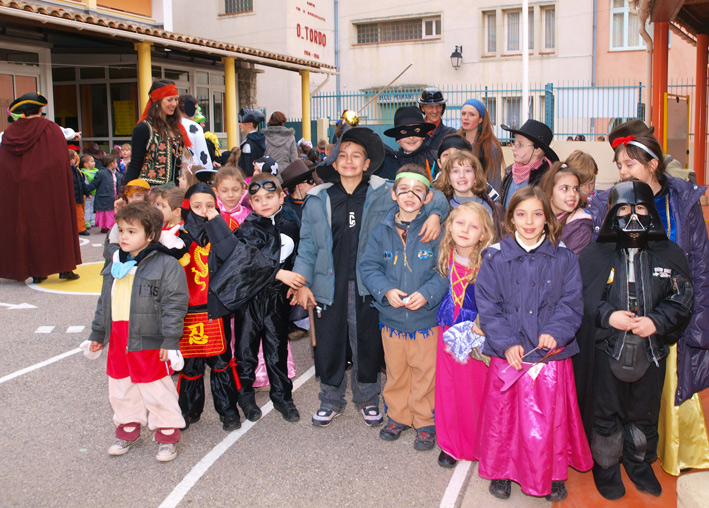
[{"x": 457, "y": 57}]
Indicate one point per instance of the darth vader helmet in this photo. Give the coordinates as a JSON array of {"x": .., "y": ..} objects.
[{"x": 632, "y": 219}]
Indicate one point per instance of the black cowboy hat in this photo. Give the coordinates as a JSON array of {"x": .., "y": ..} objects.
[
  {"x": 251, "y": 115},
  {"x": 635, "y": 127},
  {"x": 363, "y": 136},
  {"x": 409, "y": 121},
  {"x": 538, "y": 133}
]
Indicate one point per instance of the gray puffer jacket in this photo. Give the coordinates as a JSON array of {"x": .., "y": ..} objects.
[
  {"x": 158, "y": 304},
  {"x": 280, "y": 144}
]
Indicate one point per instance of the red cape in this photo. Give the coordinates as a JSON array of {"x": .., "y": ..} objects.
[{"x": 37, "y": 203}]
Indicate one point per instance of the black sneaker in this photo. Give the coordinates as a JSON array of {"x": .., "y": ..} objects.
[
  {"x": 323, "y": 417},
  {"x": 392, "y": 431},
  {"x": 288, "y": 410},
  {"x": 501, "y": 488},
  {"x": 252, "y": 412},
  {"x": 558, "y": 492},
  {"x": 425, "y": 440}
]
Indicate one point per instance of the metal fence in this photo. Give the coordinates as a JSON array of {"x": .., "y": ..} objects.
[{"x": 569, "y": 108}]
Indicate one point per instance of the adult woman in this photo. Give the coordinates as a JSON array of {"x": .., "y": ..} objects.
[
  {"x": 641, "y": 158},
  {"x": 280, "y": 140},
  {"x": 476, "y": 127},
  {"x": 158, "y": 139}
]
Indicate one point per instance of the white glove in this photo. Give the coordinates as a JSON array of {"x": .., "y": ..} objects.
[
  {"x": 176, "y": 360},
  {"x": 170, "y": 239}
]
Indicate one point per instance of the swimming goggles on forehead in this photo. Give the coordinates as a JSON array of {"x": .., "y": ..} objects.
[{"x": 267, "y": 185}]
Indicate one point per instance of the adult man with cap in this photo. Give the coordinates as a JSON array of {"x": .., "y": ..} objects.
[
  {"x": 532, "y": 157},
  {"x": 338, "y": 219},
  {"x": 433, "y": 105},
  {"x": 411, "y": 132},
  {"x": 188, "y": 105},
  {"x": 253, "y": 145},
  {"x": 37, "y": 203}
]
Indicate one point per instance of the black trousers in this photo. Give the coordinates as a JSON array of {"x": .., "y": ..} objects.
[
  {"x": 628, "y": 408},
  {"x": 264, "y": 319},
  {"x": 221, "y": 379}
]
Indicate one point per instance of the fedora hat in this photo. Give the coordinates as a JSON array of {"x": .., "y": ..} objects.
[
  {"x": 409, "y": 121},
  {"x": 538, "y": 133},
  {"x": 295, "y": 173}
]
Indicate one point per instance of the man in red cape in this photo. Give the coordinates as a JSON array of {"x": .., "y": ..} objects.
[{"x": 37, "y": 203}]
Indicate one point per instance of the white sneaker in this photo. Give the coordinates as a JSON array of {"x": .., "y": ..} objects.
[
  {"x": 166, "y": 452},
  {"x": 119, "y": 447},
  {"x": 372, "y": 416}
]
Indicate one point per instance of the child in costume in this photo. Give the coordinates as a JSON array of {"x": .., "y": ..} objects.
[
  {"x": 338, "y": 218},
  {"x": 460, "y": 379},
  {"x": 107, "y": 184},
  {"x": 140, "y": 312},
  {"x": 411, "y": 132},
  {"x": 87, "y": 165},
  {"x": 462, "y": 179},
  {"x": 561, "y": 185},
  {"x": 230, "y": 188},
  {"x": 79, "y": 192},
  {"x": 638, "y": 299},
  {"x": 203, "y": 342},
  {"x": 400, "y": 272},
  {"x": 252, "y": 280},
  {"x": 528, "y": 294}
]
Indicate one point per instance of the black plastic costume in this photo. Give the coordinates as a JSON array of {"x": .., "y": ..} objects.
[
  {"x": 245, "y": 284},
  {"x": 619, "y": 375}
]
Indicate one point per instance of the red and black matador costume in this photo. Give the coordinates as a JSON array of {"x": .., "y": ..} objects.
[{"x": 203, "y": 342}]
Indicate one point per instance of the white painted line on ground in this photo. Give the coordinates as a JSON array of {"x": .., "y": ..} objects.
[
  {"x": 450, "y": 497},
  {"x": 44, "y": 329},
  {"x": 75, "y": 329},
  {"x": 182, "y": 488},
  {"x": 97, "y": 245},
  {"x": 83, "y": 241},
  {"x": 39, "y": 365}
]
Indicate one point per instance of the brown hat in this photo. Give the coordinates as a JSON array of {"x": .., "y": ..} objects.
[
  {"x": 296, "y": 172},
  {"x": 635, "y": 127}
]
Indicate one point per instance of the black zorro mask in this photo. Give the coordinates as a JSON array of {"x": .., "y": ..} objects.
[{"x": 632, "y": 219}]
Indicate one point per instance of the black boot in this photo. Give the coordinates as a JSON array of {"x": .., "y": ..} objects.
[
  {"x": 642, "y": 476},
  {"x": 558, "y": 491},
  {"x": 608, "y": 481}
]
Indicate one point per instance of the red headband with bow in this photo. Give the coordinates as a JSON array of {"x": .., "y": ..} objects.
[
  {"x": 159, "y": 94},
  {"x": 624, "y": 141}
]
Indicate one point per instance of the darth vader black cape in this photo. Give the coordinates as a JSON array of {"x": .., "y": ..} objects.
[
  {"x": 596, "y": 262},
  {"x": 245, "y": 261}
]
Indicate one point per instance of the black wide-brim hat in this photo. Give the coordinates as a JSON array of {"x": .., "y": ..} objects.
[
  {"x": 296, "y": 172},
  {"x": 409, "y": 121},
  {"x": 26, "y": 102},
  {"x": 538, "y": 133},
  {"x": 363, "y": 136}
]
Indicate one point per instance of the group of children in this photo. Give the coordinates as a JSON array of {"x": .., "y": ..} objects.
[{"x": 472, "y": 325}]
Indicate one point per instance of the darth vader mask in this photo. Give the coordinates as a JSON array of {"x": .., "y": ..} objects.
[{"x": 632, "y": 219}]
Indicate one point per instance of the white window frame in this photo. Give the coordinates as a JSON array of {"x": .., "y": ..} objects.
[
  {"x": 531, "y": 19},
  {"x": 625, "y": 11},
  {"x": 437, "y": 21},
  {"x": 437, "y": 25},
  {"x": 543, "y": 10},
  {"x": 489, "y": 24}
]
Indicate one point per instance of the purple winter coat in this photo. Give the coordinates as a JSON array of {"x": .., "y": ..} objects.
[
  {"x": 693, "y": 347},
  {"x": 521, "y": 295}
]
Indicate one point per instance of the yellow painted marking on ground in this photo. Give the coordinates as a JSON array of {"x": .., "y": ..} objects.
[{"x": 88, "y": 284}]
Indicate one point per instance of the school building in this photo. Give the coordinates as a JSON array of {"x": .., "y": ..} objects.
[{"x": 95, "y": 60}]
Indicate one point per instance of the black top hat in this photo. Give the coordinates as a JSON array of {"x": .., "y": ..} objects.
[
  {"x": 251, "y": 115},
  {"x": 538, "y": 133},
  {"x": 633, "y": 127},
  {"x": 296, "y": 172},
  {"x": 27, "y": 102},
  {"x": 408, "y": 122},
  {"x": 363, "y": 136}
]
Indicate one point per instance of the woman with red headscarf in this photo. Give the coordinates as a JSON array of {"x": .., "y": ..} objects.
[{"x": 158, "y": 139}]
